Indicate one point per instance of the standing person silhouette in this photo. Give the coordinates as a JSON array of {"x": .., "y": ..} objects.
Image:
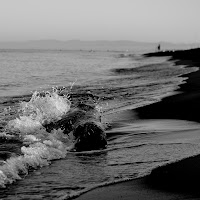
[{"x": 158, "y": 47}]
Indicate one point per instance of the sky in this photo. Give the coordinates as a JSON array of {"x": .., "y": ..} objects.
[{"x": 138, "y": 20}]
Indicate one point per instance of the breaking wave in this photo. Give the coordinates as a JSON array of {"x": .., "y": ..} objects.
[{"x": 38, "y": 147}]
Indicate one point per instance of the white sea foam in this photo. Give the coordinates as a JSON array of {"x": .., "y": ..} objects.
[
  {"x": 38, "y": 111},
  {"x": 35, "y": 155},
  {"x": 41, "y": 146}
]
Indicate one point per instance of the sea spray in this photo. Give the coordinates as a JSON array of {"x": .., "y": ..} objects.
[
  {"x": 41, "y": 109},
  {"x": 45, "y": 107},
  {"x": 38, "y": 146}
]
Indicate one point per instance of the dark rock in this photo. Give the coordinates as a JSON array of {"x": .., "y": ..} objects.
[
  {"x": 89, "y": 136},
  {"x": 84, "y": 122}
]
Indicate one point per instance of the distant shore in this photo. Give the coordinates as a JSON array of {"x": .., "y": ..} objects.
[{"x": 174, "y": 181}]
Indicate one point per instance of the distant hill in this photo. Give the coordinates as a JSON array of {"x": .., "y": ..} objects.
[{"x": 122, "y": 45}]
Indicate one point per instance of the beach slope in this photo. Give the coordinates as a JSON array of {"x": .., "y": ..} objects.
[
  {"x": 177, "y": 180},
  {"x": 171, "y": 182}
]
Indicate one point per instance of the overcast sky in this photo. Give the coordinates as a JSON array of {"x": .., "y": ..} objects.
[{"x": 138, "y": 20}]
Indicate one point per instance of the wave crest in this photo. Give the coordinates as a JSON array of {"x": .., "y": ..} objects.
[
  {"x": 38, "y": 147},
  {"x": 40, "y": 110}
]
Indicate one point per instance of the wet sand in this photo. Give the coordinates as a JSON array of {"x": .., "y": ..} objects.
[
  {"x": 174, "y": 181},
  {"x": 171, "y": 182}
]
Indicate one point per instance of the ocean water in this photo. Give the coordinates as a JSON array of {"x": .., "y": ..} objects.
[{"x": 35, "y": 164}]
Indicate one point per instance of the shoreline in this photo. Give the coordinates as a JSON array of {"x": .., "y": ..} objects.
[
  {"x": 185, "y": 104},
  {"x": 176, "y": 180}
]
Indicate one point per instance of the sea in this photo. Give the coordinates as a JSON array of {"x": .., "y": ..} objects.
[{"x": 35, "y": 164}]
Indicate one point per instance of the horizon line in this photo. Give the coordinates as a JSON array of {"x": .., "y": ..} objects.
[{"x": 98, "y": 40}]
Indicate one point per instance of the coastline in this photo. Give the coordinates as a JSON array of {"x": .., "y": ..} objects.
[
  {"x": 185, "y": 104},
  {"x": 178, "y": 180},
  {"x": 173, "y": 181}
]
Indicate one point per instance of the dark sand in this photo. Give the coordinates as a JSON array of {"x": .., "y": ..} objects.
[
  {"x": 171, "y": 182},
  {"x": 179, "y": 180},
  {"x": 184, "y": 105}
]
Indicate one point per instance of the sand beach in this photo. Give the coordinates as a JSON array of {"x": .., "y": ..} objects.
[{"x": 177, "y": 180}]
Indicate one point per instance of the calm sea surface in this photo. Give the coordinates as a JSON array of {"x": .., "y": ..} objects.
[{"x": 122, "y": 81}]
